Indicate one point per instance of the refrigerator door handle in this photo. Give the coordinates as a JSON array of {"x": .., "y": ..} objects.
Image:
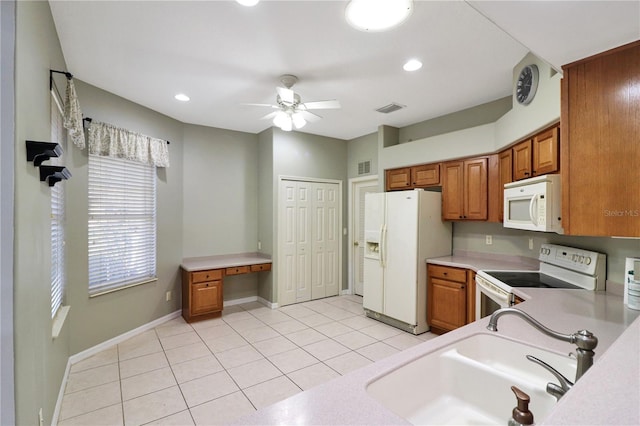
[{"x": 383, "y": 245}]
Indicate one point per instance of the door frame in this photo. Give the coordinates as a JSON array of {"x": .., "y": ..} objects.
[
  {"x": 350, "y": 261},
  {"x": 276, "y": 257}
]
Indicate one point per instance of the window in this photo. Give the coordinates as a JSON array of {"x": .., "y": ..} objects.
[
  {"x": 58, "y": 273},
  {"x": 122, "y": 224}
]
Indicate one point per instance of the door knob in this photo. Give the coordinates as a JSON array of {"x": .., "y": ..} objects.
[{"x": 355, "y": 243}]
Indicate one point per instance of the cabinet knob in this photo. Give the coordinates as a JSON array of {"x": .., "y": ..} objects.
[
  {"x": 407, "y": 184},
  {"x": 445, "y": 273},
  {"x": 460, "y": 217},
  {"x": 526, "y": 173}
]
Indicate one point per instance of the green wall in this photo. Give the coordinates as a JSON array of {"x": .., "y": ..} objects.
[
  {"x": 40, "y": 361},
  {"x": 94, "y": 320}
]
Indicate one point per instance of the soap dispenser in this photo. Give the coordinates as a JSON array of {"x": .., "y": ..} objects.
[{"x": 521, "y": 416}]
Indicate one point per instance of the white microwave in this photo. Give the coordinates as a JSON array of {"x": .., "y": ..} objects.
[{"x": 534, "y": 204}]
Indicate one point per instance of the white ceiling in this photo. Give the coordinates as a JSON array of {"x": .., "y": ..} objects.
[{"x": 222, "y": 55}]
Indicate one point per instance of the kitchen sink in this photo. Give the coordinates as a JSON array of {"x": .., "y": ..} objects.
[{"x": 469, "y": 382}]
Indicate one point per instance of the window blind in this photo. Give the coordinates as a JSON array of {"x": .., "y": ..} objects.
[
  {"x": 122, "y": 223},
  {"x": 58, "y": 275}
]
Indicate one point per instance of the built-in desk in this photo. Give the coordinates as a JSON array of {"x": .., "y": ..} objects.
[{"x": 202, "y": 281}]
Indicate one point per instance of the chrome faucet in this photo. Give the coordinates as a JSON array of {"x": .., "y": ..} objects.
[{"x": 585, "y": 341}]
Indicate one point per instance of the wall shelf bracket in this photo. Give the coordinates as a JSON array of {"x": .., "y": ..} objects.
[
  {"x": 42, "y": 151},
  {"x": 54, "y": 174}
]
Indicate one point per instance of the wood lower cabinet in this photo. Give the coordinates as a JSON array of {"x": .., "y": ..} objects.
[
  {"x": 202, "y": 291},
  {"x": 201, "y": 294},
  {"x": 465, "y": 190},
  {"x": 600, "y": 121},
  {"x": 450, "y": 298}
]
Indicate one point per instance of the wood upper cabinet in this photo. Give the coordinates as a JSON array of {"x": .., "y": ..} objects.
[
  {"x": 422, "y": 176},
  {"x": 425, "y": 175},
  {"x": 505, "y": 160},
  {"x": 446, "y": 298},
  {"x": 398, "y": 179},
  {"x": 537, "y": 156},
  {"x": 546, "y": 152},
  {"x": 600, "y": 121},
  {"x": 464, "y": 189}
]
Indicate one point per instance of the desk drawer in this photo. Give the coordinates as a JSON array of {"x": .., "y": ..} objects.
[
  {"x": 204, "y": 276},
  {"x": 261, "y": 267},
  {"x": 237, "y": 270}
]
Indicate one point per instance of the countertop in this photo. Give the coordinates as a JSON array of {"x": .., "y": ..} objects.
[
  {"x": 192, "y": 264},
  {"x": 479, "y": 261},
  {"x": 607, "y": 394}
]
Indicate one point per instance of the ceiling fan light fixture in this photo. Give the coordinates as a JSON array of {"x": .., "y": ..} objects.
[
  {"x": 377, "y": 15},
  {"x": 284, "y": 121},
  {"x": 298, "y": 120}
]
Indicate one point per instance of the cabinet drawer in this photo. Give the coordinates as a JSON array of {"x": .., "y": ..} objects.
[
  {"x": 203, "y": 276},
  {"x": 261, "y": 267},
  {"x": 447, "y": 273},
  {"x": 237, "y": 270}
]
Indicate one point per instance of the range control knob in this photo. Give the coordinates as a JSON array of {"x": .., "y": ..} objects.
[{"x": 587, "y": 261}]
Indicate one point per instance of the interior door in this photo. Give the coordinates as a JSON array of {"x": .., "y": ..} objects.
[
  {"x": 359, "y": 189},
  {"x": 326, "y": 238},
  {"x": 303, "y": 241},
  {"x": 287, "y": 257}
]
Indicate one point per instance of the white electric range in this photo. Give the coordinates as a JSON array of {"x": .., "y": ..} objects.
[{"x": 560, "y": 267}]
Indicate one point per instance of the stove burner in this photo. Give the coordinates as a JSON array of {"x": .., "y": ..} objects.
[{"x": 530, "y": 279}]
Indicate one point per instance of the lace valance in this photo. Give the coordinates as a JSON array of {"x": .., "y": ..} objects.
[
  {"x": 110, "y": 141},
  {"x": 73, "y": 115}
]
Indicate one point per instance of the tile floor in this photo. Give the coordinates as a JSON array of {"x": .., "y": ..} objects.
[{"x": 215, "y": 371}]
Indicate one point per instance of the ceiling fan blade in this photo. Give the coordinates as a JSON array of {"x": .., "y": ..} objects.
[
  {"x": 262, "y": 105},
  {"x": 330, "y": 104},
  {"x": 269, "y": 116},
  {"x": 309, "y": 116},
  {"x": 287, "y": 95}
]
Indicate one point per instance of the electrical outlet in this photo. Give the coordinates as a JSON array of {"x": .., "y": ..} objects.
[
  {"x": 530, "y": 243},
  {"x": 488, "y": 240},
  {"x": 168, "y": 295},
  {"x": 259, "y": 245}
]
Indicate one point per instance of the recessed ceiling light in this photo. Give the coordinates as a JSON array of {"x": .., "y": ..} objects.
[
  {"x": 182, "y": 97},
  {"x": 248, "y": 2},
  {"x": 412, "y": 65},
  {"x": 377, "y": 15}
]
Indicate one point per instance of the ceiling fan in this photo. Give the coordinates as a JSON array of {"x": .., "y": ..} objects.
[{"x": 291, "y": 112}]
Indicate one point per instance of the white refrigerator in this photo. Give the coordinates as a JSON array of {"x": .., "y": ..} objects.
[{"x": 402, "y": 230}]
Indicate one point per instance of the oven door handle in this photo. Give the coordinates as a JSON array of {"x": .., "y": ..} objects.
[{"x": 493, "y": 292}]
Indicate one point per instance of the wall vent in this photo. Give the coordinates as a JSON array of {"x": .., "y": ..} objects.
[
  {"x": 364, "y": 167},
  {"x": 390, "y": 108}
]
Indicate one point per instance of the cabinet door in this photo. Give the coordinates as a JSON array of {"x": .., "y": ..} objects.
[
  {"x": 506, "y": 176},
  {"x": 398, "y": 179},
  {"x": 425, "y": 175},
  {"x": 475, "y": 189},
  {"x": 522, "y": 160},
  {"x": 545, "y": 152},
  {"x": 453, "y": 191},
  {"x": 449, "y": 304},
  {"x": 600, "y": 151},
  {"x": 206, "y": 297},
  {"x": 471, "y": 296}
]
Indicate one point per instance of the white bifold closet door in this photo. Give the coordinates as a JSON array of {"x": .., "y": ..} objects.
[{"x": 309, "y": 238}]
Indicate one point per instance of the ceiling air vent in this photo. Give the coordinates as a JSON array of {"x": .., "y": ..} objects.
[
  {"x": 364, "y": 167},
  {"x": 390, "y": 108}
]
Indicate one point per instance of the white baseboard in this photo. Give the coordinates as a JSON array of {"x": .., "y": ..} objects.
[
  {"x": 102, "y": 346},
  {"x": 267, "y": 303},
  {"x": 346, "y": 292},
  {"x": 240, "y": 301}
]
